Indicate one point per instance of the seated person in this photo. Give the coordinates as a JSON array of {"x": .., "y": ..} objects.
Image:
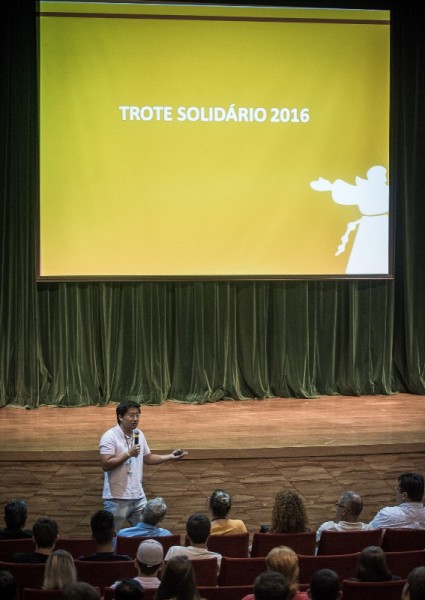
[
  {"x": 284, "y": 560},
  {"x": 198, "y": 528},
  {"x": 271, "y": 585},
  {"x": 415, "y": 585},
  {"x": 59, "y": 571},
  {"x": 45, "y": 532},
  {"x": 80, "y": 590},
  {"x": 410, "y": 511},
  {"x": 8, "y": 586},
  {"x": 220, "y": 504},
  {"x": 103, "y": 532},
  {"x": 325, "y": 585},
  {"x": 348, "y": 510},
  {"x": 15, "y": 517},
  {"x": 148, "y": 562},
  {"x": 288, "y": 514},
  {"x": 372, "y": 566},
  {"x": 129, "y": 589},
  {"x": 153, "y": 512},
  {"x": 178, "y": 581}
]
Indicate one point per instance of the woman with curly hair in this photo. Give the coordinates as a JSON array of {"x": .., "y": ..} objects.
[
  {"x": 220, "y": 503},
  {"x": 285, "y": 561},
  {"x": 288, "y": 514}
]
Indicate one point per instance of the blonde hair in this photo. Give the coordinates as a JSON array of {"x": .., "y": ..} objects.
[
  {"x": 288, "y": 514},
  {"x": 285, "y": 561},
  {"x": 59, "y": 571}
]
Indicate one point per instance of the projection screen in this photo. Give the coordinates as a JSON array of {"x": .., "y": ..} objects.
[{"x": 213, "y": 141}]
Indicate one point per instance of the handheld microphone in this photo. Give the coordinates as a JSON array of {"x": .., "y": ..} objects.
[{"x": 136, "y": 437}]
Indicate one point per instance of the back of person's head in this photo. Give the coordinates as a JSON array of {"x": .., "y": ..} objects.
[
  {"x": 129, "y": 589},
  {"x": 198, "y": 528},
  {"x": 415, "y": 586},
  {"x": 353, "y": 503},
  {"x": 8, "y": 586},
  {"x": 284, "y": 560},
  {"x": 45, "y": 532},
  {"x": 272, "y": 586},
  {"x": 149, "y": 557},
  {"x": 288, "y": 514},
  {"x": 154, "y": 511},
  {"x": 372, "y": 565},
  {"x": 15, "y": 513},
  {"x": 124, "y": 407},
  {"x": 220, "y": 503},
  {"x": 178, "y": 580},
  {"x": 102, "y": 526},
  {"x": 413, "y": 485},
  {"x": 80, "y": 590},
  {"x": 59, "y": 570},
  {"x": 325, "y": 585}
]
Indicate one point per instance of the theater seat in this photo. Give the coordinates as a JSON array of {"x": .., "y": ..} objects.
[
  {"x": 301, "y": 543},
  {"x": 347, "y": 542},
  {"x": 385, "y": 590},
  {"x": 129, "y": 545}
]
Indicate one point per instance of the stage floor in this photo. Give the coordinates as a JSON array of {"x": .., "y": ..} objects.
[
  {"x": 234, "y": 429},
  {"x": 252, "y": 448}
]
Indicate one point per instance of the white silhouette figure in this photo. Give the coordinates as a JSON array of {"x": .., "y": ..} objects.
[{"x": 369, "y": 254}]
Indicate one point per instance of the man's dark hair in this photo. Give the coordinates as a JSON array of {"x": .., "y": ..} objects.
[
  {"x": 324, "y": 585},
  {"x": 45, "y": 532},
  {"x": 271, "y": 585},
  {"x": 7, "y": 585},
  {"x": 198, "y": 528},
  {"x": 129, "y": 589},
  {"x": 413, "y": 485},
  {"x": 15, "y": 513},
  {"x": 80, "y": 590},
  {"x": 125, "y": 406},
  {"x": 416, "y": 583},
  {"x": 102, "y": 526}
]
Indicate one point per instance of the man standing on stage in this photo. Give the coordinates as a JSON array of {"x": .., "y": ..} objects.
[{"x": 123, "y": 452}]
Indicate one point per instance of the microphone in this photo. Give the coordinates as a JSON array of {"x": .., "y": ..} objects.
[{"x": 136, "y": 437}]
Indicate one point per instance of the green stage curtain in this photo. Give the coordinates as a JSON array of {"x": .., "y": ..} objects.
[{"x": 73, "y": 344}]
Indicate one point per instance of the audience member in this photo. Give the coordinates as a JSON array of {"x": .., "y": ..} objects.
[
  {"x": 220, "y": 503},
  {"x": 80, "y": 590},
  {"x": 372, "y": 565},
  {"x": 8, "y": 586},
  {"x": 103, "y": 532},
  {"x": 45, "y": 533},
  {"x": 288, "y": 514},
  {"x": 348, "y": 510},
  {"x": 271, "y": 585},
  {"x": 148, "y": 562},
  {"x": 178, "y": 580},
  {"x": 129, "y": 589},
  {"x": 15, "y": 517},
  {"x": 59, "y": 570},
  {"x": 198, "y": 529},
  {"x": 325, "y": 585},
  {"x": 284, "y": 560},
  {"x": 154, "y": 512},
  {"x": 410, "y": 511},
  {"x": 415, "y": 585}
]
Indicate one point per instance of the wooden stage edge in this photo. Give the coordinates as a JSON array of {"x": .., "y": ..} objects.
[
  {"x": 225, "y": 453},
  {"x": 231, "y": 429}
]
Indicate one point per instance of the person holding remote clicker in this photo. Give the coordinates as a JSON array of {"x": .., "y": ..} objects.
[{"x": 123, "y": 452}]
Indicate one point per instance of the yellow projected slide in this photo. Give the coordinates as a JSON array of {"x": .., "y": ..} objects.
[{"x": 212, "y": 141}]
